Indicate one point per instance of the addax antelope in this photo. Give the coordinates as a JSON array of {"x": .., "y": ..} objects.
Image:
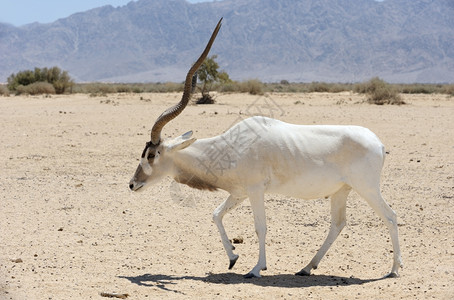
[{"x": 263, "y": 155}]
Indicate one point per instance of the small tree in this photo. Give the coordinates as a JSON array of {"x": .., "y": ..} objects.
[{"x": 209, "y": 74}]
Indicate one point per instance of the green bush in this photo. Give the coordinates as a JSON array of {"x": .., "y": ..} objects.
[
  {"x": 36, "y": 88},
  {"x": 59, "y": 79}
]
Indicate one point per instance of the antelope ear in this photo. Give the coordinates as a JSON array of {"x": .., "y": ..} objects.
[{"x": 181, "y": 142}]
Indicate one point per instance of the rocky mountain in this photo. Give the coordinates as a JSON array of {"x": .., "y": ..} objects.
[{"x": 272, "y": 40}]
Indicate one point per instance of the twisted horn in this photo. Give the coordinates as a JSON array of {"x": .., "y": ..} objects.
[{"x": 175, "y": 110}]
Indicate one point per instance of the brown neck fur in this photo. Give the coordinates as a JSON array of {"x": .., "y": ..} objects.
[{"x": 194, "y": 181}]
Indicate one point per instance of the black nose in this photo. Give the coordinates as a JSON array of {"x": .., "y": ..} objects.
[{"x": 131, "y": 186}]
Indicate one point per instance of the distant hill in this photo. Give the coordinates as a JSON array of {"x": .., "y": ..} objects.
[{"x": 271, "y": 40}]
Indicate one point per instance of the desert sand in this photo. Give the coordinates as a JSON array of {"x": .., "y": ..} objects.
[{"x": 71, "y": 229}]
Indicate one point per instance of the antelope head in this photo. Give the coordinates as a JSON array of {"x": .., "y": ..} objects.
[{"x": 155, "y": 161}]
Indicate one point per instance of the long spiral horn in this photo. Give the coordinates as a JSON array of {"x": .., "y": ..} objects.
[{"x": 175, "y": 110}]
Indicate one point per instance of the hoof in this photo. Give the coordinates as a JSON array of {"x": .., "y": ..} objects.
[
  {"x": 251, "y": 275},
  {"x": 303, "y": 273},
  {"x": 232, "y": 262},
  {"x": 392, "y": 275}
]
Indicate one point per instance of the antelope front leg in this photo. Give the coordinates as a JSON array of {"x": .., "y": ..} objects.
[
  {"x": 218, "y": 214},
  {"x": 258, "y": 208}
]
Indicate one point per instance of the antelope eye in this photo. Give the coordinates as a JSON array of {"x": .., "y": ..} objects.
[{"x": 150, "y": 156}]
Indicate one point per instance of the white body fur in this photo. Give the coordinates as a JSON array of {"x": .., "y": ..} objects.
[{"x": 261, "y": 155}]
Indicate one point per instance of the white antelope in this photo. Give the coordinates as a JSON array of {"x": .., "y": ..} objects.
[{"x": 261, "y": 155}]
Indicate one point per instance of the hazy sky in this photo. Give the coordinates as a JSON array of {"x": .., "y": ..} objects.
[{"x": 21, "y": 12}]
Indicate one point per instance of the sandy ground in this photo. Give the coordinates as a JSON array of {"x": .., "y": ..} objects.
[{"x": 71, "y": 229}]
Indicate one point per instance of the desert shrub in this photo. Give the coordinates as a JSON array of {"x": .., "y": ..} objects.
[
  {"x": 106, "y": 88},
  {"x": 123, "y": 88},
  {"x": 36, "y": 88},
  {"x": 167, "y": 87},
  {"x": 98, "y": 88},
  {"x": 252, "y": 86},
  {"x": 137, "y": 90},
  {"x": 298, "y": 87},
  {"x": 417, "y": 88},
  {"x": 448, "y": 89},
  {"x": 59, "y": 79},
  {"x": 4, "y": 91},
  {"x": 361, "y": 88},
  {"x": 276, "y": 87},
  {"x": 379, "y": 92},
  {"x": 62, "y": 86},
  {"x": 230, "y": 87},
  {"x": 129, "y": 87},
  {"x": 340, "y": 87},
  {"x": 319, "y": 87}
]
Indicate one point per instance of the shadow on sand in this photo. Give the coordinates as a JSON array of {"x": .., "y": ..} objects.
[{"x": 165, "y": 282}]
